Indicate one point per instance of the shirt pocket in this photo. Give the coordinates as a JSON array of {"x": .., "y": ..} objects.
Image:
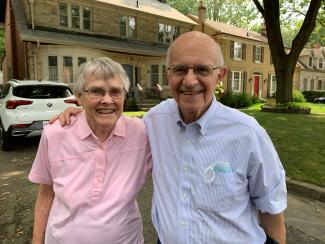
[{"x": 216, "y": 195}]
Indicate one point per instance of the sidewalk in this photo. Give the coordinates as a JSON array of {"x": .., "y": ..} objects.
[
  {"x": 306, "y": 209},
  {"x": 306, "y": 215}
]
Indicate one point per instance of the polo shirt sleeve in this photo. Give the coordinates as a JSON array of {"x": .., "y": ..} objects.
[
  {"x": 266, "y": 179},
  {"x": 40, "y": 172}
]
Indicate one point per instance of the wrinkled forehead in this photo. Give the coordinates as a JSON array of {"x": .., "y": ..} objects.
[{"x": 100, "y": 80}]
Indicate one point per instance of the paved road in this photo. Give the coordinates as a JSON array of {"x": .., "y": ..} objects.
[{"x": 305, "y": 219}]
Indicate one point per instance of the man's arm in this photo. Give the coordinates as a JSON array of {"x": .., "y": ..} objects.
[
  {"x": 64, "y": 116},
  {"x": 43, "y": 206},
  {"x": 273, "y": 225}
]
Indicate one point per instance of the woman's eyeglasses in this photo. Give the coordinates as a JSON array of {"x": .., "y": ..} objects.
[{"x": 99, "y": 93}]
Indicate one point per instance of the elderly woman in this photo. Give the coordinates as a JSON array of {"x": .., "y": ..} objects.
[{"x": 90, "y": 172}]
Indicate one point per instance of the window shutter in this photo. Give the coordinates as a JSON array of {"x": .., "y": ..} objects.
[
  {"x": 231, "y": 49},
  {"x": 268, "y": 87},
  {"x": 229, "y": 80},
  {"x": 254, "y": 53},
  {"x": 244, "y": 51},
  {"x": 262, "y": 54},
  {"x": 244, "y": 81}
]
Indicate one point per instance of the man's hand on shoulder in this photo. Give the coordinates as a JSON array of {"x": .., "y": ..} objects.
[{"x": 64, "y": 117}]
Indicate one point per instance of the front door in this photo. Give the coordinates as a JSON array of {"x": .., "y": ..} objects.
[{"x": 256, "y": 85}]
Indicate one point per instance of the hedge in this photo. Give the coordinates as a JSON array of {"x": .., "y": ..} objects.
[{"x": 312, "y": 95}]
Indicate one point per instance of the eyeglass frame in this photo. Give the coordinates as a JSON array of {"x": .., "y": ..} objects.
[
  {"x": 123, "y": 92},
  {"x": 169, "y": 68}
]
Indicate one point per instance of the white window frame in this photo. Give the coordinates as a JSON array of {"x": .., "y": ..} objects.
[
  {"x": 305, "y": 84},
  {"x": 53, "y": 69},
  {"x": 258, "y": 54},
  {"x": 272, "y": 85},
  {"x": 234, "y": 81},
  {"x": 81, "y": 16},
  {"x": 167, "y": 33},
  {"x": 312, "y": 84},
  {"x": 238, "y": 51},
  {"x": 130, "y": 29}
]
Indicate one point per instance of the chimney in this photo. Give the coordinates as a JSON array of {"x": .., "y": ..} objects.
[{"x": 201, "y": 13}]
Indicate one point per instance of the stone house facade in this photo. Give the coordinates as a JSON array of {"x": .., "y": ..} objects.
[
  {"x": 246, "y": 54},
  {"x": 311, "y": 69},
  {"x": 49, "y": 39}
]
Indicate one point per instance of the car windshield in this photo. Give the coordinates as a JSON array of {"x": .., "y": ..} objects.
[{"x": 42, "y": 92}]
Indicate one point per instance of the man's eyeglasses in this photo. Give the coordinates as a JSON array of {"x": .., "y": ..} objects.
[
  {"x": 99, "y": 93},
  {"x": 199, "y": 69}
]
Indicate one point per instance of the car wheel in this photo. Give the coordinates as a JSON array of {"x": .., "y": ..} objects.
[{"x": 5, "y": 140}]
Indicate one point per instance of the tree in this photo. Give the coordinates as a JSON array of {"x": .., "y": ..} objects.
[{"x": 285, "y": 62}]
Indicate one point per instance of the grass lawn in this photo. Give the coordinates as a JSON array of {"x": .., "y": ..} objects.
[{"x": 299, "y": 140}]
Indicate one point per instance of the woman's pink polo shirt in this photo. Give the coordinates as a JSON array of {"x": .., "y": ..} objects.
[{"x": 95, "y": 183}]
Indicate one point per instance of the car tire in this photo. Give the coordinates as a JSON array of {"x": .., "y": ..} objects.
[{"x": 5, "y": 140}]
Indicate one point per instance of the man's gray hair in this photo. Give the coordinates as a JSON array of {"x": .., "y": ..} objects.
[{"x": 100, "y": 68}]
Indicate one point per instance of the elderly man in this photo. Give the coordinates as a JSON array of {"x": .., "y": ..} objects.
[
  {"x": 217, "y": 177},
  {"x": 90, "y": 172}
]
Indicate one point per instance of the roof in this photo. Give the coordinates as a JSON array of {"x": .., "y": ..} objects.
[
  {"x": 154, "y": 7},
  {"x": 56, "y": 36},
  {"x": 222, "y": 28}
]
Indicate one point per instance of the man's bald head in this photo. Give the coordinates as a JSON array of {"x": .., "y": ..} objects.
[{"x": 196, "y": 39}]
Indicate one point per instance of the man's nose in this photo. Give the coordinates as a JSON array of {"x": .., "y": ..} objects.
[{"x": 190, "y": 79}]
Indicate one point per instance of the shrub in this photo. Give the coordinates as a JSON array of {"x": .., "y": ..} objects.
[
  {"x": 236, "y": 100},
  {"x": 310, "y": 96},
  {"x": 297, "y": 96}
]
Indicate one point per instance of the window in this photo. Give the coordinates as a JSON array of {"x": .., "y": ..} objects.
[
  {"x": 167, "y": 33},
  {"x": 258, "y": 54},
  {"x": 154, "y": 74},
  {"x": 238, "y": 51},
  {"x": 128, "y": 26},
  {"x": 81, "y": 60},
  {"x": 86, "y": 18},
  {"x": 164, "y": 77},
  {"x": 319, "y": 87},
  {"x": 320, "y": 63},
  {"x": 310, "y": 61},
  {"x": 53, "y": 67},
  {"x": 74, "y": 16},
  {"x": 272, "y": 85},
  {"x": 236, "y": 81},
  {"x": 312, "y": 84},
  {"x": 63, "y": 14},
  {"x": 305, "y": 84},
  {"x": 67, "y": 69}
]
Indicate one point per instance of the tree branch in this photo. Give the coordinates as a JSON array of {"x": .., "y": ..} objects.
[{"x": 259, "y": 7}]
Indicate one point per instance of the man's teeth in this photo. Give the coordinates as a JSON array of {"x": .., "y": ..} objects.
[
  {"x": 105, "y": 111},
  {"x": 190, "y": 92}
]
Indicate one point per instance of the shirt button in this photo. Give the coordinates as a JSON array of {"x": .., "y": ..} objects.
[
  {"x": 184, "y": 195},
  {"x": 185, "y": 168},
  {"x": 183, "y": 223},
  {"x": 189, "y": 142}
]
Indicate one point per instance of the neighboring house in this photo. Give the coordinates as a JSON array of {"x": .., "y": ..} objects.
[
  {"x": 311, "y": 69},
  {"x": 49, "y": 39},
  {"x": 246, "y": 54}
]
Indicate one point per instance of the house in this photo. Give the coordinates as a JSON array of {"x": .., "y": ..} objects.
[
  {"x": 49, "y": 39},
  {"x": 311, "y": 69},
  {"x": 247, "y": 56}
]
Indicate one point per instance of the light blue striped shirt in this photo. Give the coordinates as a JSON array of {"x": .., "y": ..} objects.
[{"x": 210, "y": 176}]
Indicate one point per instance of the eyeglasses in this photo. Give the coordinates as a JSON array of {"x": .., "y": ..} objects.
[
  {"x": 98, "y": 93},
  {"x": 199, "y": 69}
]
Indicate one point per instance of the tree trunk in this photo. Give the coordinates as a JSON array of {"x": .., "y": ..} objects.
[{"x": 284, "y": 83}]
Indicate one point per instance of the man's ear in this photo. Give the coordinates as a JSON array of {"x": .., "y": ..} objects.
[{"x": 222, "y": 73}]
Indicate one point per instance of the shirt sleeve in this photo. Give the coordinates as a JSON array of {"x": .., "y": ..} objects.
[
  {"x": 40, "y": 172},
  {"x": 267, "y": 184}
]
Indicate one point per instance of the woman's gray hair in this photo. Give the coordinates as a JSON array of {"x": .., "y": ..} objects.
[{"x": 100, "y": 68}]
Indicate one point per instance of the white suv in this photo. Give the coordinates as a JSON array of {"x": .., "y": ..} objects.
[{"x": 27, "y": 105}]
